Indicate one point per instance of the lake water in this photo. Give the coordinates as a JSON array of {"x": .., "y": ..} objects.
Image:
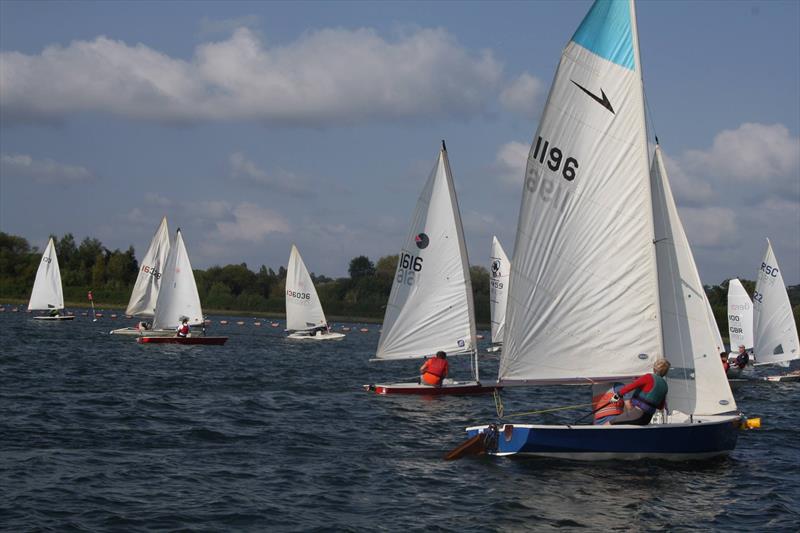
[{"x": 265, "y": 434}]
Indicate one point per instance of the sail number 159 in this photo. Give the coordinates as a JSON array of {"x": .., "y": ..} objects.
[{"x": 555, "y": 157}]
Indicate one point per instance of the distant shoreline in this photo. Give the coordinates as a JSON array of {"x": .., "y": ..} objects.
[{"x": 120, "y": 309}]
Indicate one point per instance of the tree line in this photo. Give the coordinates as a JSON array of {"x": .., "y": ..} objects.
[{"x": 110, "y": 274}]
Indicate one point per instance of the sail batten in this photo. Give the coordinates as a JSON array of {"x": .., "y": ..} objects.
[{"x": 430, "y": 307}]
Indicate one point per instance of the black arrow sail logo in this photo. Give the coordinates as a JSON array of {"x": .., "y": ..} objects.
[{"x": 604, "y": 101}]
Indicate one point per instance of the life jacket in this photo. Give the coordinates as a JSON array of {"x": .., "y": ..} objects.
[
  {"x": 435, "y": 371},
  {"x": 183, "y": 330},
  {"x": 603, "y": 407},
  {"x": 650, "y": 401}
]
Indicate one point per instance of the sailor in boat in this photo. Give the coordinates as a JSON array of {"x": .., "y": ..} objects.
[
  {"x": 723, "y": 356},
  {"x": 53, "y": 312},
  {"x": 649, "y": 395},
  {"x": 183, "y": 329},
  {"x": 742, "y": 358},
  {"x": 434, "y": 370},
  {"x": 143, "y": 326}
]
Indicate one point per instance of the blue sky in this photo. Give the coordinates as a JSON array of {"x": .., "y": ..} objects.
[{"x": 253, "y": 125}]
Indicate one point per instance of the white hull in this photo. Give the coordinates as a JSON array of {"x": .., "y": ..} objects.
[
  {"x": 55, "y": 318},
  {"x": 331, "y": 336}
]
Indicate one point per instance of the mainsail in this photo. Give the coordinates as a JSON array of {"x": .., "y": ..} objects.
[
  {"x": 697, "y": 384},
  {"x": 145, "y": 291},
  {"x": 584, "y": 304},
  {"x": 775, "y": 332},
  {"x": 177, "y": 297},
  {"x": 47, "y": 292},
  {"x": 500, "y": 269},
  {"x": 430, "y": 307},
  {"x": 740, "y": 316},
  {"x": 303, "y": 308}
]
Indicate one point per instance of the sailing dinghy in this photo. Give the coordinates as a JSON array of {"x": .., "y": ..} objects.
[
  {"x": 775, "y": 332},
  {"x": 740, "y": 323},
  {"x": 47, "y": 293},
  {"x": 145, "y": 291},
  {"x": 604, "y": 281},
  {"x": 305, "y": 318},
  {"x": 430, "y": 308},
  {"x": 500, "y": 269},
  {"x": 178, "y": 300}
]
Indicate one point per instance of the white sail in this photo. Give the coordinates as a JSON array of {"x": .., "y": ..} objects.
[
  {"x": 500, "y": 269},
  {"x": 145, "y": 291},
  {"x": 583, "y": 301},
  {"x": 775, "y": 332},
  {"x": 715, "y": 329},
  {"x": 303, "y": 308},
  {"x": 697, "y": 384},
  {"x": 47, "y": 292},
  {"x": 177, "y": 297},
  {"x": 740, "y": 316},
  {"x": 430, "y": 307}
]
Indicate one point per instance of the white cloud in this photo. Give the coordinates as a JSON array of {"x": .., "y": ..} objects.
[
  {"x": 686, "y": 189},
  {"x": 510, "y": 162},
  {"x": 750, "y": 153},
  {"x": 523, "y": 96},
  {"x": 243, "y": 168},
  {"x": 156, "y": 199},
  {"x": 251, "y": 223},
  {"x": 323, "y": 76},
  {"x": 42, "y": 170},
  {"x": 709, "y": 226}
]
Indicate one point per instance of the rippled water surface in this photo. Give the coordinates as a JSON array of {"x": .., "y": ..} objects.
[{"x": 99, "y": 433}]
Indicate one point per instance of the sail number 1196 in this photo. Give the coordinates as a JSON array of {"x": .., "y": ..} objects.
[{"x": 553, "y": 157}]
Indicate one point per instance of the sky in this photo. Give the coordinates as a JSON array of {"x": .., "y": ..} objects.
[{"x": 255, "y": 125}]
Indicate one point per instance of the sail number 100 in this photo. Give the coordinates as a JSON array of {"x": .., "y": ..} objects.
[
  {"x": 407, "y": 266},
  {"x": 554, "y": 159}
]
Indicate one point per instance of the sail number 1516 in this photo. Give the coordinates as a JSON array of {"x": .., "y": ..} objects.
[{"x": 554, "y": 157}]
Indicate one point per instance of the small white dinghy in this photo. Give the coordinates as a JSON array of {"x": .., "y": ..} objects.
[
  {"x": 47, "y": 294},
  {"x": 145, "y": 292},
  {"x": 430, "y": 308},
  {"x": 305, "y": 318},
  {"x": 775, "y": 338},
  {"x": 500, "y": 271}
]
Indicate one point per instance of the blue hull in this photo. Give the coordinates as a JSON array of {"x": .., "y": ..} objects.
[{"x": 712, "y": 437}]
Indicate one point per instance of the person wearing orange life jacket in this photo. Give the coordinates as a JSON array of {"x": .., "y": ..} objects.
[
  {"x": 649, "y": 395},
  {"x": 434, "y": 370},
  {"x": 183, "y": 329}
]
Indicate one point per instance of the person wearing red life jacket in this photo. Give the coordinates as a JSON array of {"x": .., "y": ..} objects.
[
  {"x": 649, "y": 395},
  {"x": 605, "y": 408},
  {"x": 434, "y": 370},
  {"x": 723, "y": 356},
  {"x": 183, "y": 329}
]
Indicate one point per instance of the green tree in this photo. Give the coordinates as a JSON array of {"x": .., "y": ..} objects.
[{"x": 361, "y": 267}]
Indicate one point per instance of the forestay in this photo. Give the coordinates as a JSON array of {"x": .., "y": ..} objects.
[
  {"x": 500, "y": 269},
  {"x": 740, "y": 316},
  {"x": 430, "y": 307},
  {"x": 697, "y": 384},
  {"x": 47, "y": 292},
  {"x": 145, "y": 291},
  {"x": 584, "y": 303},
  {"x": 775, "y": 334},
  {"x": 303, "y": 308},
  {"x": 177, "y": 296}
]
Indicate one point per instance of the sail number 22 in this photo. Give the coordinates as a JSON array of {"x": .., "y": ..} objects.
[{"x": 407, "y": 268}]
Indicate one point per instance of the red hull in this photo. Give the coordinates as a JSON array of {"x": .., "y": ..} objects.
[
  {"x": 182, "y": 340},
  {"x": 424, "y": 390}
]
